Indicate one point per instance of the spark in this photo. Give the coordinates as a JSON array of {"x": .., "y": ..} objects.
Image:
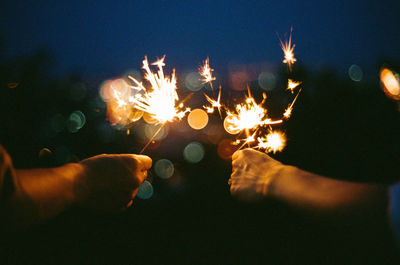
[
  {"x": 206, "y": 72},
  {"x": 292, "y": 85},
  {"x": 288, "y": 111},
  {"x": 215, "y": 104},
  {"x": 287, "y": 49},
  {"x": 160, "y": 100},
  {"x": 249, "y": 115},
  {"x": 274, "y": 141}
]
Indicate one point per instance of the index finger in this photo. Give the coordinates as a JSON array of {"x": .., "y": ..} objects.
[{"x": 146, "y": 161}]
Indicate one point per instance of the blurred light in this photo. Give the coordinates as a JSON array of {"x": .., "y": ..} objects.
[
  {"x": 76, "y": 121},
  {"x": 214, "y": 133},
  {"x": 45, "y": 152},
  {"x": 145, "y": 190},
  {"x": 198, "y": 119},
  {"x": 226, "y": 149},
  {"x": 391, "y": 83},
  {"x": 12, "y": 84},
  {"x": 105, "y": 90},
  {"x": 239, "y": 80},
  {"x": 355, "y": 73},
  {"x": 193, "y": 152},
  {"x": 150, "y": 130},
  {"x": 117, "y": 94},
  {"x": 57, "y": 122},
  {"x": 230, "y": 127},
  {"x": 149, "y": 119},
  {"x": 267, "y": 81},
  {"x": 193, "y": 81},
  {"x": 164, "y": 168},
  {"x": 275, "y": 141}
]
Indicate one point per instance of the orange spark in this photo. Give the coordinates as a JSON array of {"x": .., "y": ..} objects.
[
  {"x": 214, "y": 103},
  {"x": 206, "y": 72},
  {"x": 159, "y": 101},
  {"x": 391, "y": 83},
  {"x": 288, "y": 111},
  {"x": 287, "y": 49},
  {"x": 249, "y": 115},
  {"x": 273, "y": 142},
  {"x": 292, "y": 85}
]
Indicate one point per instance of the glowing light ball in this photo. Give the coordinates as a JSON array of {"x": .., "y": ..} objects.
[{"x": 198, "y": 119}]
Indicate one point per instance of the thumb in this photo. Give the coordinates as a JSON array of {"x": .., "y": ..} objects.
[{"x": 145, "y": 161}]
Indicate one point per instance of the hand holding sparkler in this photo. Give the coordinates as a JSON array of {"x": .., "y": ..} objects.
[
  {"x": 252, "y": 174},
  {"x": 256, "y": 176},
  {"x": 110, "y": 182}
]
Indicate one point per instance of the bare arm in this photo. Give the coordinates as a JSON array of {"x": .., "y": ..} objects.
[
  {"x": 104, "y": 182},
  {"x": 255, "y": 176}
]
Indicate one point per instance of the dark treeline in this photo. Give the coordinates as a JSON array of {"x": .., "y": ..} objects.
[{"x": 339, "y": 128}]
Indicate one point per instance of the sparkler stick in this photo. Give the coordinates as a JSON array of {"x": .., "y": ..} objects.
[{"x": 152, "y": 138}]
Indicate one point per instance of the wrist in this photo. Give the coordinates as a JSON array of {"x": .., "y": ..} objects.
[
  {"x": 273, "y": 186},
  {"x": 73, "y": 172}
]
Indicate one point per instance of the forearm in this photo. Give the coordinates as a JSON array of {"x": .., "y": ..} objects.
[
  {"x": 42, "y": 193},
  {"x": 308, "y": 191}
]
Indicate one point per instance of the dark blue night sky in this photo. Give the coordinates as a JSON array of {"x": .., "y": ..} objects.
[{"x": 105, "y": 38}]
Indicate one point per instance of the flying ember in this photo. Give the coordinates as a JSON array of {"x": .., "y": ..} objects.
[
  {"x": 206, "y": 72},
  {"x": 287, "y": 49}
]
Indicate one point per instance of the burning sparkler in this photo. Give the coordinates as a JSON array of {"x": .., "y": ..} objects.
[
  {"x": 159, "y": 102},
  {"x": 287, "y": 49},
  {"x": 206, "y": 72},
  {"x": 249, "y": 115},
  {"x": 273, "y": 142},
  {"x": 252, "y": 117}
]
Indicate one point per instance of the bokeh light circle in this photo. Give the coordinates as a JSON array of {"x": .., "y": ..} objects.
[
  {"x": 355, "y": 73},
  {"x": 145, "y": 190},
  {"x": 164, "y": 168},
  {"x": 390, "y": 83},
  {"x": 226, "y": 148},
  {"x": 267, "y": 81},
  {"x": 151, "y": 130},
  {"x": 193, "y": 81},
  {"x": 228, "y": 126},
  {"x": 76, "y": 121},
  {"x": 197, "y": 119},
  {"x": 193, "y": 152},
  {"x": 148, "y": 118}
]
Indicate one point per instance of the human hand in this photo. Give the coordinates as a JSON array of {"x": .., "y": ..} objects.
[
  {"x": 252, "y": 174},
  {"x": 110, "y": 182}
]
